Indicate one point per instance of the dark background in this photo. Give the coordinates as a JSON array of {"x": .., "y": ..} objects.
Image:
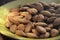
[
  {"x": 7, "y": 38},
  {"x": 2, "y": 2}
]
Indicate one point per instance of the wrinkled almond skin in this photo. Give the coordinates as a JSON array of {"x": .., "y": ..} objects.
[
  {"x": 38, "y": 18},
  {"x": 41, "y": 29},
  {"x": 40, "y": 24},
  {"x": 23, "y": 21},
  {"x": 25, "y": 15},
  {"x": 53, "y": 4},
  {"x": 57, "y": 11},
  {"x": 57, "y": 22},
  {"x": 34, "y": 31},
  {"x": 55, "y": 15},
  {"x": 51, "y": 10},
  {"x": 45, "y": 19},
  {"x": 46, "y": 13},
  {"x": 32, "y": 10},
  {"x": 47, "y": 28},
  {"x": 57, "y": 5},
  {"x": 50, "y": 25},
  {"x": 46, "y": 35},
  {"x": 54, "y": 32},
  {"x": 37, "y": 6},
  {"x": 20, "y": 33},
  {"x": 28, "y": 28},
  {"x": 51, "y": 19},
  {"x": 31, "y": 35},
  {"x": 45, "y": 5},
  {"x": 13, "y": 28},
  {"x": 21, "y": 27},
  {"x": 13, "y": 20},
  {"x": 59, "y": 30}
]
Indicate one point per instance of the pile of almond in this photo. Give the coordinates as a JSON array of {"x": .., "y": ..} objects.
[{"x": 37, "y": 20}]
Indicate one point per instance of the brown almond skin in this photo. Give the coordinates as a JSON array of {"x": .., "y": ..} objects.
[
  {"x": 56, "y": 22},
  {"x": 52, "y": 4},
  {"x": 46, "y": 35},
  {"x": 28, "y": 28},
  {"x": 32, "y": 10},
  {"x": 38, "y": 6},
  {"x": 20, "y": 33},
  {"x": 51, "y": 10},
  {"x": 45, "y": 5},
  {"x": 35, "y": 31},
  {"x": 31, "y": 35},
  {"x": 40, "y": 24},
  {"x": 23, "y": 21},
  {"x": 59, "y": 30},
  {"x": 51, "y": 19},
  {"x": 25, "y": 15},
  {"x": 54, "y": 32},
  {"x": 46, "y": 13},
  {"x": 21, "y": 27},
  {"x": 50, "y": 25},
  {"x": 55, "y": 15},
  {"x": 13, "y": 28},
  {"x": 57, "y": 11},
  {"x": 38, "y": 18},
  {"x": 41, "y": 29},
  {"x": 57, "y": 5},
  {"x": 47, "y": 28},
  {"x": 45, "y": 19}
]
